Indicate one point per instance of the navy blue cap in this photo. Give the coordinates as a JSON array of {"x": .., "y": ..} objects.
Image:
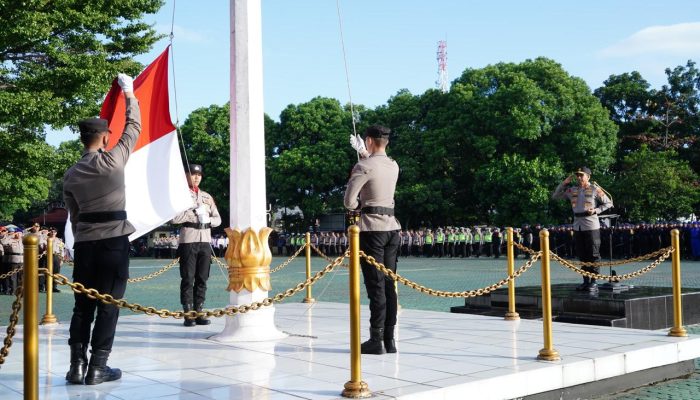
[{"x": 93, "y": 126}]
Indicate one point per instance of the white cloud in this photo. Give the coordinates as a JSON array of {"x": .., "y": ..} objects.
[
  {"x": 181, "y": 33},
  {"x": 679, "y": 39}
]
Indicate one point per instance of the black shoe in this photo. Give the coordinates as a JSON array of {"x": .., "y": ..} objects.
[
  {"x": 375, "y": 343},
  {"x": 592, "y": 287},
  {"x": 201, "y": 320},
  {"x": 389, "y": 343},
  {"x": 55, "y": 290},
  {"x": 98, "y": 371},
  {"x": 78, "y": 364},
  {"x": 188, "y": 321}
]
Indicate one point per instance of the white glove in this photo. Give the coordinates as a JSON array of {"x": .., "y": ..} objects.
[
  {"x": 359, "y": 145},
  {"x": 202, "y": 214},
  {"x": 125, "y": 82}
]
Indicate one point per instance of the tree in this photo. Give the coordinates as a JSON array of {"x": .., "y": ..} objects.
[
  {"x": 519, "y": 190},
  {"x": 311, "y": 159},
  {"x": 529, "y": 113},
  {"x": 58, "y": 59},
  {"x": 656, "y": 185}
]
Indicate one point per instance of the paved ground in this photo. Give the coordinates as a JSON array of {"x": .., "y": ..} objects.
[{"x": 444, "y": 274}]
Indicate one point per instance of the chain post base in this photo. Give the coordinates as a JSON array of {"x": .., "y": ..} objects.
[
  {"x": 308, "y": 300},
  {"x": 356, "y": 390},
  {"x": 548, "y": 355},
  {"x": 49, "y": 319},
  {"x": 511, "y": 316},
  {"x": 678, "y": 332}
]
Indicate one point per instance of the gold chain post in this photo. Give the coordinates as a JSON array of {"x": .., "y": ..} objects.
[
  {"x": 309, "y": 298},
  {"x": 677, "y": 329},
  {"x": 548, "y": 353},
  {"x": 30, "y": 286},
  {"x": 511, "y": 315},
  {"x": 355, "y": 388},
  {"x": 49, "y": 318}
]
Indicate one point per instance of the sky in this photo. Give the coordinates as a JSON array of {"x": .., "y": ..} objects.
[{"x": 392, "y": 44}]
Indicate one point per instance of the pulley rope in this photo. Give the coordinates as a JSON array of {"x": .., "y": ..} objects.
[{"x": 347, "y": 72}]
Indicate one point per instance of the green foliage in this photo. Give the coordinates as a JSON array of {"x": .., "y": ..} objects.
[
  {"x": 311, "y": 159},
  {"x": 518, "y": 189},
  {"x": 26, "y": 165},
  {"x": 57, "y": 60},
  {"x": 656, "y": 185}
]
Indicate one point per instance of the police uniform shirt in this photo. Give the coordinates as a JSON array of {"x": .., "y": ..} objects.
[
  {"x": 374, "y": 180},
  {"x": 194, "y": 235},
  {"x": 96, "y": 183},
  {"x": 583, "y": 199},
  {"x": 14, "y": 251}
]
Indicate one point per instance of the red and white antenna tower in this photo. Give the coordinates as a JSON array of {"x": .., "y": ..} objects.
[{"x": 442, "y": 82}]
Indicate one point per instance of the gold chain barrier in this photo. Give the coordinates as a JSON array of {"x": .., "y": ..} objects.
[
  {"x": 9, "y": 274},
  {"x": 602, "y": 263},
  {"x": 284, "y": 264},
  {"x": 228, "y": 311},
  {"x": 615, "y": 278},
  {"x": 325, "y": 257},
  {"x": 440, "y": 293},
  {"x": 154, "y": 274},
  {"x": 14, "y": 318}
]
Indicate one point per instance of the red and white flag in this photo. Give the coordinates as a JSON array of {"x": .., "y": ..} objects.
[{"x": 156, "y": 186}]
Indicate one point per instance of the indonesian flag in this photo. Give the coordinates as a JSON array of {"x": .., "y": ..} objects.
[{"x": 156, "y": 186}]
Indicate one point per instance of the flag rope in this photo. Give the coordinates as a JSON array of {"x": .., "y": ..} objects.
[{"x": 347, "y": 73}]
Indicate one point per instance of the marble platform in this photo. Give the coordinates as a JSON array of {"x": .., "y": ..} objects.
[{"x": 441, "y": 356}]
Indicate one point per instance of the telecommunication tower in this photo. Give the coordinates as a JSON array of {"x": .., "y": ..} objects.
[{"x": 442, "y": 82}]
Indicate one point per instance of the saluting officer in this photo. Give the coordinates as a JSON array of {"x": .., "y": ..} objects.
[
  {"x": 374, "y": 179},
  {"x": 194, "y": 247},
  {"x": 587, "y": 201},
  {"x": 94, "y": 193}
]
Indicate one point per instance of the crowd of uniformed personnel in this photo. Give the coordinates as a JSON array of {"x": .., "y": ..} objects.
[
  {"x": 12, "y": 254},
  {"x": 627, "y": 240}
]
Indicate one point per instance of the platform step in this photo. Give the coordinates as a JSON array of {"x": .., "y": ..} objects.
[{"x": 592, "y": 319}]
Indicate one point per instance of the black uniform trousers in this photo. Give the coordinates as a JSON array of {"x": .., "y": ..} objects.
[
  {"x": 104, "y": 266},
  {"x": 383, "y": 246},
  {"x": 588, "y": 249},
  {"x": 195, "y": 262}
]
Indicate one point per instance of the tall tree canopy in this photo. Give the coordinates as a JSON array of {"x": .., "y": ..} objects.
[{"x": 57, "y": 60}]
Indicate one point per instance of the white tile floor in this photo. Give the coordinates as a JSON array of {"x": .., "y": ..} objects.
[{"x": 441, "y": 356}]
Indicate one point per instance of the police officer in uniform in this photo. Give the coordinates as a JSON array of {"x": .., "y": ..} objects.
[
  {"x": 374, "y": 179},
  {"x": 93, "y": 190},
  {"x": 587, "y": 201},
  {"x": 194, "y": 248}
]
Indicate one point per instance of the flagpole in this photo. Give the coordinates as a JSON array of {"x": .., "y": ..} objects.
[{"x": 249, "y": 266}]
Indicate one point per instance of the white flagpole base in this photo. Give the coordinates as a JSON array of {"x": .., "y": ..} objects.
[{"x": 253, "y": 326}]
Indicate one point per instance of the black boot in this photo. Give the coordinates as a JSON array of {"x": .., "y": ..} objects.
[
  {"x": 78, "y": 363},
  {"x": 374, "y": 345},
  {"x": 98, "y": 371},
  {"x": 389, "y": 342},
  {"x": 188, "y": 321},
  {"x": 201, "y": 320},
  {"x": 584, "y": 285}
]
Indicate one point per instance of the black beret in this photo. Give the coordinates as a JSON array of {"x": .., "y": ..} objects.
[
  {"x": 92, "y": 126},
  {"x": 195, "y": 169},
  {"x": 377, "y": 131},
  {"x": 584, "y": 170}
]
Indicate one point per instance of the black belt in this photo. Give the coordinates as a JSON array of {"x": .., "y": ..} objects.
[
  {"x": 196, "y": 226},
  {"x": 378, "y": 210},
  {"x": 13, "y": 254},
  {"x": 102, "y": 216},
  {"x": 583, "y": 214}
]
